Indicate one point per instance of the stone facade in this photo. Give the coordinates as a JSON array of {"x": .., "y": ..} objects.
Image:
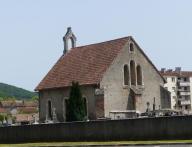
[
  {"x": 58, "y": 99},
  {"x": 129, "y": 82},
  {"x": 117, "y": 95}
]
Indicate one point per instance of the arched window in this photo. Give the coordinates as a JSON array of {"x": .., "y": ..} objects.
[
  {"x": 133, "y": 73},
  {"x": 126, "y": 75},
  {"x": 50, "y": 110},
  {"x": 70, "y": 43},
  {"x": 139, "y": 75},
  {"x": 85, "y": 106},
  {"x": 65, "y": 103},
  {"x": 131, "y": 47}
]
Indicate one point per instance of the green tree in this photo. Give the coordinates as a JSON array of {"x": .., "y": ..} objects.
[
  {"x": 35, "y": 98},
  {"x": 2, "y": 117},
  {"x": 9, "y": 91},
  {"x": 76, "y": 110}
]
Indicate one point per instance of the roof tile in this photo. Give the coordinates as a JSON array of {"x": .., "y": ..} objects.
[{"x": 85, "y": 64}]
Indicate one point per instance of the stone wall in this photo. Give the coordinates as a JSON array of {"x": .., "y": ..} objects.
[
  {"x": 117, "y": 95},
  {"x": 58, "y": 97},
  {"x": 162, "y": 128},
  {"x": 165, "y": 98}
]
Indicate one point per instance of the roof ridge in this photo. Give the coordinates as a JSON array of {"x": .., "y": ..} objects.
[{"x": 102, "y": 42}]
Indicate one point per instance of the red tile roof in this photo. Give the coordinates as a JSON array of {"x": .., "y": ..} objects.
[
  {"x": 177, "y": 74},
  {"x": 24, "y": 117},
  {"x": 27, "y": 110},
  {"x": 85, "y": 64},
  {"x": 7, "y": 103},
  {"x": 13, "y": 103},
  {"x": 30, "y": 104},
  {"x": 2, "y": 110}
]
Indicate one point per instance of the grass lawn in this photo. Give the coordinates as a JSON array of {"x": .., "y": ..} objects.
[{"x": 97, "y": 143}]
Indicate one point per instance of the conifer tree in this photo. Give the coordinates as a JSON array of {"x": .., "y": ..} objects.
[{"x": 76, "y": 109}]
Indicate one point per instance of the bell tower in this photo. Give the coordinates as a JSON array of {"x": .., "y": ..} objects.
[{"x": 69, "y": 36}]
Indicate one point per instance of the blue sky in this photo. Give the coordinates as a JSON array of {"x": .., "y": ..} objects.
[{"x": 31, "y": 32}]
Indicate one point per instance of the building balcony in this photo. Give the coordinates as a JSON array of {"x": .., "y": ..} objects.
[
  {"x": 183, "y": 90},
  {"x": 187, "y": 83},
  {"x": 185, "y": 102},
  {"x": 185, "y": 93}
]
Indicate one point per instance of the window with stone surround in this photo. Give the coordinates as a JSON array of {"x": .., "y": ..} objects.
[
  {"x": 126, "y": 74},
  {"x": 131, "y": 47},
  {"x": 139, "y": 75},
  {"x": 50, "y": 116},
  {"x": 85, "y": 106},
  {"x": 133, "y": 72}
]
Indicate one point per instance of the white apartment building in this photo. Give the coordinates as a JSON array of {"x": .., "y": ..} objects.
[{"x": 179, "y": 83}]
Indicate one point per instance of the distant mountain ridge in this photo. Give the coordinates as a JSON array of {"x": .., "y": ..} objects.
[{"x": 9, "y": 91}]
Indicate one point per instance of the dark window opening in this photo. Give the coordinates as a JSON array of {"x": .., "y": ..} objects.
[
  {"x": 126, "y": 75},
  {"x": 139, "y": 75},
  {"x": 50, "y": 110},
  {"x": 133, "y": 73},
  {"x": 131, "y": 47},
  {"x": 65, "y": 113},
  {"x": 85, "y": 106}
]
